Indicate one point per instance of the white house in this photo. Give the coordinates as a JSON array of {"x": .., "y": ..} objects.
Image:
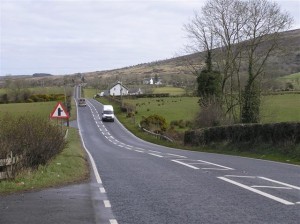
[{"x": 118, "y": 89}]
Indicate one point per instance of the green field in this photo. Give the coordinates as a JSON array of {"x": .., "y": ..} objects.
[
  {"x": 280, "y": 108},
  {"x": 171, "y": 108},
  {"x": 40, "y": 109},
  {"x": 173, "y": 91},
  {"x": 274, "y": 108},
  {"x": 293, "y": 78}
]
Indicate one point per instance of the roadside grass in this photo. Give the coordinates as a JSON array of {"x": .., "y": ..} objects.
[{"x": 69, "y": 166}]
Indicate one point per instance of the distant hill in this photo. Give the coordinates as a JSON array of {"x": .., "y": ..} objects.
[
  {"x": 285, "y": 61},
  {"x": 41, "y": 75}
]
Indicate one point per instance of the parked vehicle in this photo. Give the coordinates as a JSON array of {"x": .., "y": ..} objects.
[
  {"x": 81, "y": 102},
  {"x": 108, "y": 113}
]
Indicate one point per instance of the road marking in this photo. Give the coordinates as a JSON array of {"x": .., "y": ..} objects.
[
  {"x": 225, "y": 167},
  {"x": 139, "y": 151},
  {"x": 154, "y": 151},
  {"x": 113, "y": 221},
  {"x": 298, "y": 203},
  {"x": 185, "y": 164},
  {"x": 102, "y": 190},
  {"x": 240, "y": 176},
  {"x": 155, "y": 155},
  {"x": 278, "y": 182},
  {"x": 176, "y": 155},
  {"x": 257, "y": 191},
  {"x": 213, "y": 169},
  {"x": 107, "y": 204},
  {"x": 272, "y": 187}
]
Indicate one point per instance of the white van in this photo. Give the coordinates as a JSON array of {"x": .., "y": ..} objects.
[{"x": 108, "y": 113}]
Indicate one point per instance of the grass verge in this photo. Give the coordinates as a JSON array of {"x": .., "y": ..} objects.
[{"x": 69, "y": 166}]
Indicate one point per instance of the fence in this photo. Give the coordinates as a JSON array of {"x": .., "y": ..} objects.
[
  {"x": 7, "y": 166},
  {"x": 155, "y": 134}
]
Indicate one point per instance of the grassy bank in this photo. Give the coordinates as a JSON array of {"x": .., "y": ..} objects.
[{"x": 68, "y": 167}]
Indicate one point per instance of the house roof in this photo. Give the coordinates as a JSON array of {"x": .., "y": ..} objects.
[{"x": 118, "y": 83}]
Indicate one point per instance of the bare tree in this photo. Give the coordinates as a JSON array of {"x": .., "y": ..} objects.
[
  {"x": 265, "y": 21},
  {"x": 236, "y": 34}
]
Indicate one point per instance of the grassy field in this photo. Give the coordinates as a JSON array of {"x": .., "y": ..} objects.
[
  {"x": 293, "y": 78},
  {"x": 171, "y": 108},
  {"x": 280, "y": 108},
  {"x": 42, "y": 109},
  {"x": 173, "y": 91}
]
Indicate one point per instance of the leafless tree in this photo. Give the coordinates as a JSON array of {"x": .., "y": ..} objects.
[{"x": 237, "y": 34}]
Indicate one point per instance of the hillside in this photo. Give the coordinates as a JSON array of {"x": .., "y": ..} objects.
[
  {"x": 285, "y": 61},
  {"x": 176, "y": 71}
]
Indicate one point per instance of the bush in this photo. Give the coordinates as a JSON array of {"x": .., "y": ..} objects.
[
  {"x": 154, "y": 123},
  {"x": 33, "y": 139}
]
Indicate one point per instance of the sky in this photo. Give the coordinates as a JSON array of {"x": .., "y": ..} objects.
[{"x": 69, "y": 36}]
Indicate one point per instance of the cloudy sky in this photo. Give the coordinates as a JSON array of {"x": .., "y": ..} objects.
[{"x": 68, "y": 36}]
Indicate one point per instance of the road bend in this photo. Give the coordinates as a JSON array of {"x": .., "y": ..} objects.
[{"x": 148, "y": 183}]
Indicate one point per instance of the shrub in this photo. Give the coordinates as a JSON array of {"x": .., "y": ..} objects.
[
  {"x": 155, "y": 123},
  {"x": 32, "y": 138}
]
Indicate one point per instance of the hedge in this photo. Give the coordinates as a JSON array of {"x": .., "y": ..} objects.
[{"x": 273, "y": 133}]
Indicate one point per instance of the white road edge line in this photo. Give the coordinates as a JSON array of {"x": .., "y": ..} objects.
[
  {"x": 107, "y": 204},
  {"x": 113, "y": 221},
  {"x": 285, "y": 202},
  {"x": 278, "y": 182},
  {"x": 102, "y": 190},
  {"x": 190, "y": 166}
]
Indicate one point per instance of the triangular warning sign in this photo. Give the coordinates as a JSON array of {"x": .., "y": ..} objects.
[{"x": 59, "y": 111}]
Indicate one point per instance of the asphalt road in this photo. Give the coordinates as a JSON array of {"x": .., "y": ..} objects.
[
  {"x": 136, "y": 182},
  {"x": 147, "y": 183}
]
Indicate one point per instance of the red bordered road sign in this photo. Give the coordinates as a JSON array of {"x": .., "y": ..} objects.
[{"x": 59, "y": 111}]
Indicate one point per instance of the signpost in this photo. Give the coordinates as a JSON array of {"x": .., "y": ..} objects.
[{"x": 60, "y": 112}]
